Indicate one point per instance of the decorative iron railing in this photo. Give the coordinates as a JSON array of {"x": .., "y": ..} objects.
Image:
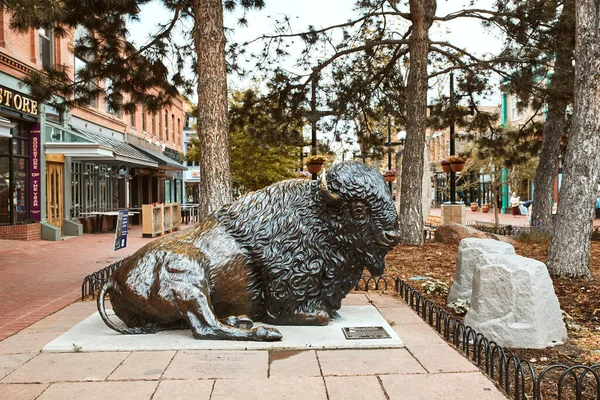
[
  {"x": 514, "y": 376},
  {"x": 500, "y": 229},
  {"x": 93, "y": 282}
]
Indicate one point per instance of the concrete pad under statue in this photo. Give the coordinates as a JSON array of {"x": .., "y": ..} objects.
[{"x": 92, "y": 335}]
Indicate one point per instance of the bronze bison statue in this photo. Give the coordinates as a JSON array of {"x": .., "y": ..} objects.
[{"x": 287, "y": 254}]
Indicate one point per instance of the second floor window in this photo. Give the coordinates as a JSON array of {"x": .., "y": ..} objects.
[
  {"x": 81, "y": 62},
  {"x": 46, "y": 47},
  {"x": 166, "y": 126},
  {"x": 108, "y": 87},
  {"x": 143, "y": 118}
]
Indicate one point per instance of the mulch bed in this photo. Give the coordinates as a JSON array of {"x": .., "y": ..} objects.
[{"x": 578, "y": 298}]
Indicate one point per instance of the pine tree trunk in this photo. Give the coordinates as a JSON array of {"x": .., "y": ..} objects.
[
  {"x": 411, "y": 211},
  {"x": 213, "y": 133},
  {"x": 569, "y": 252},
  {"x": 561, "y": 84}
]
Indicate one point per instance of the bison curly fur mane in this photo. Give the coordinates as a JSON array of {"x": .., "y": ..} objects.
[{"x": 304, "y": 254}]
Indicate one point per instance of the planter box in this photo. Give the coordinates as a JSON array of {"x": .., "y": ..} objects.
[{"x": 21, "y": 232}]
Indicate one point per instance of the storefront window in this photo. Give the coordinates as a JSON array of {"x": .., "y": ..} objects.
[
  {"x": 20, "y": 168},
  {"x": 91, "y": 188},
  {"x": 167, "y": 191},
  {"x": 14, "y": 176},
  {"x": 4, "y": 183}
]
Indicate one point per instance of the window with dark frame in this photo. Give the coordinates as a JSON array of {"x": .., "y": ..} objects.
[
  {"x": 166, "y": 126},
  {"x": 45, "y": 35},
  {"x": 81, "y": 61},
  {"x": 143, "y": 118},
  {"x": 108, "y": 88},
  {"x": 173, "y": 127}
]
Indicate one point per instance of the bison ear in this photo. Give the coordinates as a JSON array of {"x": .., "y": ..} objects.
[{"x": 328, "y": 197}]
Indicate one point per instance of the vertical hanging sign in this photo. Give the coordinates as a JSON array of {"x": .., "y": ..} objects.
[
  {"x": 121, "y": 231},
  {"x": 35, "y": 178}
]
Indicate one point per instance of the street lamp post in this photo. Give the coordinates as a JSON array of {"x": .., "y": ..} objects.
[
  {"x": 389, "y": 145},
  {"x": 313, "y": 110},
  {"x": 452, "y": 149}
]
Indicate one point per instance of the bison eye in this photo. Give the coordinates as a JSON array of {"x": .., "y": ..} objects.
[{"x": 358, "y": 210}]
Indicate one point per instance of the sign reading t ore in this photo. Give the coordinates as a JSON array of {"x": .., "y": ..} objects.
[
  {"x": 18, "y": 101},
  {"x": 121, "y": 231},
  {"x": 365, "y": 332}
]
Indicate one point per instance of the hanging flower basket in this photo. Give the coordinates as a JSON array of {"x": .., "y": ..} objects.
[
  {"x": 389, "y": 175},
  {"x": 457, "y": 166},
  {"x": 445, "y": 166},
  {"x": 314, "y": 164},
  {"x": 457, "y": 163},
  {"x": 314, "y": 167}
]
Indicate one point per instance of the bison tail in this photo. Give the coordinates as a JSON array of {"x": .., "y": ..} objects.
[{"x": 102, "y": 310}]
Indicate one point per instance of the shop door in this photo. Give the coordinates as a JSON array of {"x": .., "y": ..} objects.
[{"x": 54, "y": 190}]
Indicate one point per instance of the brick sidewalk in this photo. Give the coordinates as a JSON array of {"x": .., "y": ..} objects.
[
  {"x": 427, "y": 368},
  {"x": 504, "y": 219},
  {"x": 38, "y": 278}
]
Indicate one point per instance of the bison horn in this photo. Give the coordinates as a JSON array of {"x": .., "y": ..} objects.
[{"x": 329, "y": 198}]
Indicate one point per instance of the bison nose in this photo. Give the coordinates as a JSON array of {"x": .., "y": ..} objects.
[{"x": 388, "y": 238}]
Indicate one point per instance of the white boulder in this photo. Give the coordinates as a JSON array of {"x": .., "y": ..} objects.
[
  {"x": 471, "y": 254},
  {"x": 513, "y": 303}
]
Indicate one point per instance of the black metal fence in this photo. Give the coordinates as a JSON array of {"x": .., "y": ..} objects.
[
  {"x": 500, "y": 229},
  {"x": 514, "y": 376},
  {"x": 93, "y": 282}
]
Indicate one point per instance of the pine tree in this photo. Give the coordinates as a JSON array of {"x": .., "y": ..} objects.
[
  {"x": 369, "y": 68},
  {"x": 569, "y": 252},
  {"x": 140, "y": 72}
]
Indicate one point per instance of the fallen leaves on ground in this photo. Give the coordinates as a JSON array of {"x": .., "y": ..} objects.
[{"x": 578, "y": 298}]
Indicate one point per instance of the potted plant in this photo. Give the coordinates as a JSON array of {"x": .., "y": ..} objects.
[
  {"x": 445, "y": 165},
  {"x": 473, "y": 206},
  {"x": 389, "y": 175},
  {"x": 314, "y": 164},
  {"x": 457, "y": 163},
  {"x": 485, "y": 208}
]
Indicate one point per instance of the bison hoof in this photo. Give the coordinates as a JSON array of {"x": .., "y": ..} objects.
[
  {"x": 267, "y": 334},
  {"x": 241, "y": 321},
  {"x": 312, "y": 318}
]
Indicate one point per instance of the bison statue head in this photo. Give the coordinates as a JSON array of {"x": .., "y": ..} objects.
[{"x": 363, "y": 211}]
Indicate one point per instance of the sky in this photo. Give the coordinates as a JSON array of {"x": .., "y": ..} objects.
[{"x": 465, "y": 32}]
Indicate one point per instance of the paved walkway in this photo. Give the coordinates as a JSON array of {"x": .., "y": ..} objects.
[
  {"x": 427, "y": 368},
  {"x": 38, "y": 278},
  {"x": 505, "y": 219},
  {"x": 39, "y": 290}
]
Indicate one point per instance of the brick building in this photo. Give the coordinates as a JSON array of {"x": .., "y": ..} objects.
[{"x": 59, "y": 168}]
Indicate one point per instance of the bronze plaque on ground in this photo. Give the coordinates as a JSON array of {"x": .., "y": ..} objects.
[{"x": 365, "y": 332}]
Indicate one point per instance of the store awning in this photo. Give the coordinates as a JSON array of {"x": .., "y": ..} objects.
[
  {"x": 83, "y": 150},
  {"x": 163, "y": 161},
  {"x": 122, "y": 151}
]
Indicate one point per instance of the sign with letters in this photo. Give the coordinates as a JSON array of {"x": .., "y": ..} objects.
[
  {"x": 365, "y": 332},
  {"x": 18, "y": 101},
  {"x": 35, "y": 180},
  {"x": 121, "y": 231}
]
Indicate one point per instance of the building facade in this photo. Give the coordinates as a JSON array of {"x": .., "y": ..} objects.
[{"x": 61, "y": 168}]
